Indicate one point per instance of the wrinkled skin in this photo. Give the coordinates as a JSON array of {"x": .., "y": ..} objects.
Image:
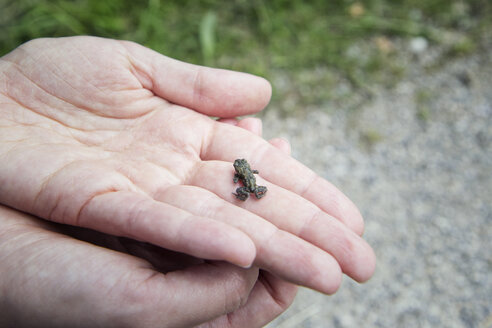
[
  {"x": 108, "y": 135},
  {"x": 49, "y": 279},
  {"x": 211, "y": 294}
]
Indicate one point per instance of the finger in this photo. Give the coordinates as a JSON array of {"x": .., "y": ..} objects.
[
  {"x": 201, "y": 293},
  {"x": 252, "y": 124},
  {"x": 231, "y": 121},
  {"x": 139, "y": 217},
  {"x": 294, "y": 214},
  {"x": 277, "y": 251},
  {"x": 229, "y": 143},
  {"x": 116, "y": 288},
  {"x": 163, "y": 260},
  {"x": 269, "y": 298},
  {"x": 281, "y": 144},
  {"x": 214, "y": 92}
]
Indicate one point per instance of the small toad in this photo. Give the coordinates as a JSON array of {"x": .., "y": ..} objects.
[{"x": 246, "y": 175}]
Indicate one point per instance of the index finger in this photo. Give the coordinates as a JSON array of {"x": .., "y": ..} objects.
[{"x": 228, "y": 143}]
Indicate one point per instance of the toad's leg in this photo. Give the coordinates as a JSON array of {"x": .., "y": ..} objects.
[
  {"x": 260, "y": 191},
  {"x": 242, "y": 193}
]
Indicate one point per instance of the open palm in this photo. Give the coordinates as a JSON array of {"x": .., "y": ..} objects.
[{"x": 114, "y": 137}]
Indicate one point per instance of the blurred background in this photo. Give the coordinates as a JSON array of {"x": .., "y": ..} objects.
[
  {"x": 354, "y": 42},
  {"x": 389, "y": 100}
]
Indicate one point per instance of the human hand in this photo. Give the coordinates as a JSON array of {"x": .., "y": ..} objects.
[
  {"x": 49, "y": 279},
  {"x": 97, "y": 133},
  {"x": 42, "y": 268}
]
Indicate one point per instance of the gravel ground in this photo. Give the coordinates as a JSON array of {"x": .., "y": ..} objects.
[{"x": 417, "y": 161}]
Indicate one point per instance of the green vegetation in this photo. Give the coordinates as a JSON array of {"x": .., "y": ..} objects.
[
  {"x": 353, "y": 38},
  {"x": 369, "y": 138},
  {"x": 422, "y": 101}
]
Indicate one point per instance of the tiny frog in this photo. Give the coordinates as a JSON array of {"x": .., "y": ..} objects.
[{"x": 246, "y": 175}]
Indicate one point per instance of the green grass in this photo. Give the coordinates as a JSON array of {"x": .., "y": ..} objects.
[
  {"x": 422, "y": 99},
  {"x": 258, "y": 36}
]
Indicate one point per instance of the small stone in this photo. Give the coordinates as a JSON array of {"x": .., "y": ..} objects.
[
  {"x": 356, "y": 10},
  {"x": 384, "y": 45},
  {"x": 418, "y": 45}
]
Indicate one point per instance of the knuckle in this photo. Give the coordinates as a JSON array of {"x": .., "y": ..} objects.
[{"x": 238, "y": 289}]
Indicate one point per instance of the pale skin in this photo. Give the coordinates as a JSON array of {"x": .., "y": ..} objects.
[
  {"x": 42, "y": 267},
  {"x": 112, "y": 136}
]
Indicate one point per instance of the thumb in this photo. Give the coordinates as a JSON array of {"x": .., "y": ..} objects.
[
  {"x": 210, "y": 91},
  {"x": 198, "y": 294}
]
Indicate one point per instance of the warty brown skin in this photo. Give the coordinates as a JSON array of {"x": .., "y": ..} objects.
[{"x": 246, "y": 175}]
